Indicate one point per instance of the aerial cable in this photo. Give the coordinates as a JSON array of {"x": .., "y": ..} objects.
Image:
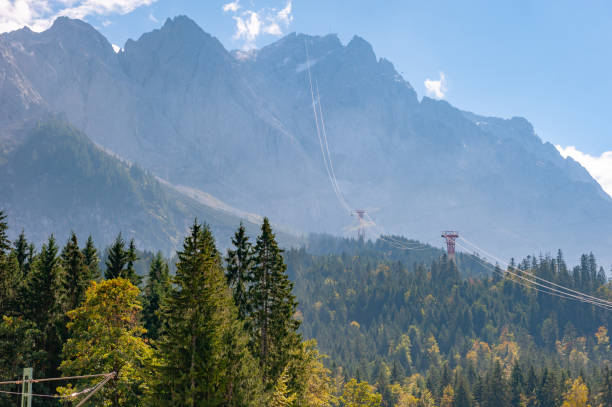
[
  {"x": 567, "y": 295},
  {"x": 90, "y": 390},
  {"x": 534, "y": 284},
  {"x": 606, "y": 302},
  {"x": 331, "y": 165},
  {"x": 502, "y": 273},
  {"x": 540, "y": 278},
  {"x": 397, "y": 244},
  {"x": 314, "y": 110},
  {"x": 326, "y": 157},
  {"x": 55, "y": 379},
  {"x": 577, "y": 297}
]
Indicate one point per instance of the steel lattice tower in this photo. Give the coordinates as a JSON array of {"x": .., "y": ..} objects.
[{"x": 450, "y": 236}]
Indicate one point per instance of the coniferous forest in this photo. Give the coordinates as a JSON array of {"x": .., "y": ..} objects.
[{"x": 337, "y": 322}]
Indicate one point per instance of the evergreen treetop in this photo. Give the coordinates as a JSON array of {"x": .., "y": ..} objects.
[{"x": 239, "y": 262}]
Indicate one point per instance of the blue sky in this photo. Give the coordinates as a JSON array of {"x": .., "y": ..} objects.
[{"x": 548, "y": 61}]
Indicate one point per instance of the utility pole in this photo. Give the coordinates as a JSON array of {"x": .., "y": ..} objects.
[{"x": 26, "y": 387}]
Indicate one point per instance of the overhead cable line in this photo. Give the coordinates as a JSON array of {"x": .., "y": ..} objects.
[
  {"x": 90, "y": 390},
  {"x": 550, "y": 290},
  {"x": 54, "y": 379},
  {"x": 322, "y": 134},
  {"x": 488, "y": 266},
  {"x": 579, "y": 293}
]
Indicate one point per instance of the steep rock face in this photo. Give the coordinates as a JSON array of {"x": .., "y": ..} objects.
[
  {"x": 205, "y": 113},
  {"x": 240, "y": 126}
]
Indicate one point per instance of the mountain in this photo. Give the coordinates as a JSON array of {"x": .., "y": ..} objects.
[
  {"x": 240, "y": 127},
  {"x": 57, "y": 180}
]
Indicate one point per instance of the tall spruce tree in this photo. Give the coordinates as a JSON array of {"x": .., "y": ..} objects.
[
  {"x": 203, "y": 351},
  {"x": 156, "y": 289},
  {"x": 5, "y": 244},
  {"x": 604, "y": 396},
  {"x": 516, "y": 385},
  {"x": 41, "y": 286},
  {"x": 463, "y": 397},
  {"x": 43, "y": 308},
  {"x": 91, "y": 259},
  {"x": 75, "y": 277},
  {"x": 117, "y": 259},
  {"x": 496, "y": 390},
  {"x": 131, "y": 257},
  {"x": 238, "y": 270},
  {"x": 120, "y": 261},
  {"x": 272, "y": 306},
  {"x": 10, "y": 276},
  {"x": 21, "y": 251}
]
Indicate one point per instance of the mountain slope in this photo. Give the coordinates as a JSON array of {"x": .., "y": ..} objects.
[
  {"x": 57, "y": 179},
  {"x": 241, "y": 128}
]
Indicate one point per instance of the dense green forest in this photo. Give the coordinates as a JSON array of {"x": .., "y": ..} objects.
[{"x": 246, "y": 327}]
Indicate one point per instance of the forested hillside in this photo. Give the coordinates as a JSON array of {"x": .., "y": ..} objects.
[
  {"x": 400, "y": 328},
  {"x": 56, "y": 180},
  {"x": 416, "y": 318}
]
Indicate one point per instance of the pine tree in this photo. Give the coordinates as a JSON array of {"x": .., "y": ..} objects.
[
  {"x": 238, "y": 270},
  {"x": 5, "y": 244},
  {"x": 91, "y": 259},
  {"x": 10, "y": 273},
  {"x": 21, "y": 251},
  {"x": 42, "y": 305},
  {"x": 157, "y": 288},
  {"x": 10, "y": 286},
  {"x": 548, "y": 392},
  {"x": 76, "y": 275},
  {"x": 204, "y": 358},
  {"x": 604, "y": 397},
  {"x": 516, "y": 385},
  {"x": 463, "y": 397},
  {"x": 272, "y": 307},
  {"x": 116, "y": 260},
  {"x": 41, "y": 285},
  {"x": 30, "y": 257},
  {"x": 479, "y": 391},
  {"x": 131, "y": 258},
  {"x": 496, "y": 392}
]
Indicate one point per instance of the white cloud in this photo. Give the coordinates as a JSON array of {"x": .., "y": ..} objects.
[
  {"x": 116, "y": 48},
  {"x": 38, "y": 15},
  {"x": 153, "y": 18},
  {"x": 250, "y": 24},
  {"x": 600, "y": 167},
  {"x": 284, "y": 15},
  {"x": 437, "y": 88},
  {"x": 233, "y": 6}
]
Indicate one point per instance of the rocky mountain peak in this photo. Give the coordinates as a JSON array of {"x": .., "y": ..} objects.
[
  {"x": 361, "y": 48},
  {"x": 78, "y": 38}
]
